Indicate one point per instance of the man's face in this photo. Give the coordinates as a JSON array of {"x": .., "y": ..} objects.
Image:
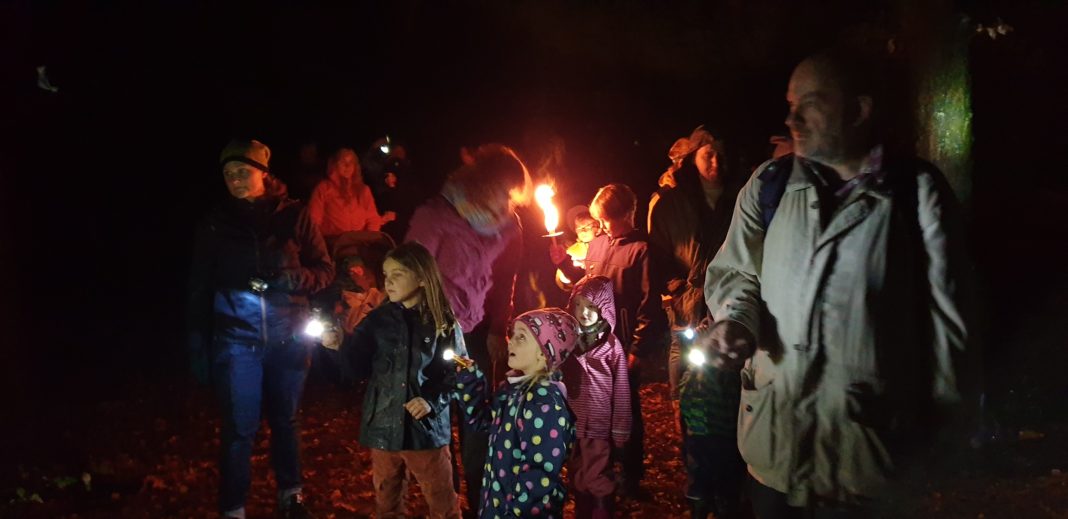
[
  {"x": 524, "y": 353},
  {"x": 707, "y": 161},
  {"x": 817, "y": 118},
  {"x": 347, "y": 166},
  {"x": 391, "y": 180},
  {"x": 243, "y": 181}
]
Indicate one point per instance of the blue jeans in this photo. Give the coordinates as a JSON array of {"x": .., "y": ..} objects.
[{"x": 247, "y": 377}]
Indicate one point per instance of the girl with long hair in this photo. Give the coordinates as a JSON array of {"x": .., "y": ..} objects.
[{"x": 405, "y": 347}]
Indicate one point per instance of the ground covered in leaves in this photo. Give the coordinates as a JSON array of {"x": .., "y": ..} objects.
[{"x": 153, "y": 455}]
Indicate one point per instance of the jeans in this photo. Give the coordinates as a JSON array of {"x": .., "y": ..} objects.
[{"x": 248, "y": 377}]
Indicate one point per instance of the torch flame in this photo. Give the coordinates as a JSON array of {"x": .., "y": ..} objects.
[{"x": 543, "y": 195}]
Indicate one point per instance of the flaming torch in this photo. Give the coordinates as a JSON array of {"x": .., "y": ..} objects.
[{"x": 543, "y": 195}]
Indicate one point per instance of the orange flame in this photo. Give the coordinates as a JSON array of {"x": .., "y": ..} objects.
[{"x": 543, "y": 195}]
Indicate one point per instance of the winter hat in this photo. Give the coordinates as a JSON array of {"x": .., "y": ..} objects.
[
  {"x": 687, "y": 145},
  {"x": 556, "y": 332},
  {"x": 251, "y": 152},
  {"x": 573, "y": 213}
]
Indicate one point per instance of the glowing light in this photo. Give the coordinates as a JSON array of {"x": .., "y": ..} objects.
[
  {"x": 315, "y": 328},
  {"x": 384, "y": 148},
  {"x": 696, "y": 357},
  {"x": 689, "y": 334},
  {"x": 543, "y": 195},
  {"x": 448, "y": 354},
  {"x": 563, "y": 279}
]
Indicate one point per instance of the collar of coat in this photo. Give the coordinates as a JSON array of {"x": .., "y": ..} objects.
[{"x": 871, "y": 178}]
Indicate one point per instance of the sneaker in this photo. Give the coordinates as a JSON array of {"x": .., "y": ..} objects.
[{"x": 295, "y": 508}]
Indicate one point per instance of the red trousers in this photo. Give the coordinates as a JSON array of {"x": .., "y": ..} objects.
[
  {"x": 432, "y": 468},
  {"x": 590, "y": 468}
]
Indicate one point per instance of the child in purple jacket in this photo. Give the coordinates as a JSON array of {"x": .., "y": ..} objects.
[
  {"x": 599, "y": 394},
  {"x": 531, "y": 429}
]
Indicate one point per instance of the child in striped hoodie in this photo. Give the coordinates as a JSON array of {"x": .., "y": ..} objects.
[{"x": 599, "y": 395}]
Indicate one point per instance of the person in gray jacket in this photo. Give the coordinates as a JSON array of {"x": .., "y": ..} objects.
[{"x": 838, "y": 294}]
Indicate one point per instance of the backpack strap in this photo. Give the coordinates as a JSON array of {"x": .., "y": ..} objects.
[{"x": 773, "y": 185}]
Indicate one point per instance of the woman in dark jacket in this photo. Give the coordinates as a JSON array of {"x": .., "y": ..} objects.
[
  {"x": 406, "y": 346},
  {"x": 256, "y": 259}
]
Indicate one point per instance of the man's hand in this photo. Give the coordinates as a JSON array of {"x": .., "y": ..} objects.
[
  {"x": 730, "y": 344},
  {"x": 417, "y": 407},
  {"x": 558, "y": 254}
]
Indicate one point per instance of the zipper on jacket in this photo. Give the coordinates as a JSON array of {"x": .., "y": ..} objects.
[{"x": 263, "y": 300}]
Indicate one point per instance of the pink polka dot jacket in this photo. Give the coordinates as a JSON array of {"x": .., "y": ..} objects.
[{"x": 531, "y": 431}]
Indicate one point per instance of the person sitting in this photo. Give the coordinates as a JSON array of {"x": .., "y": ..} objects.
[{"x": 342, "y": 202}]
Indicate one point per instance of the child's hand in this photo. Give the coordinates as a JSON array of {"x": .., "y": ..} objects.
[
  {"x": 557, "y": 254},
  {"x": 331, "y": 340},
  {"x": 417, "y": 407},
  {"x": 389, "y": 216},
  {"x": 463, "y": 363}
]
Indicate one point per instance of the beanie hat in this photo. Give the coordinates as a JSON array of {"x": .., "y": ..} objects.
[
  {"x": 251, "y": 152},
  {"x": 555, "y": 330}
]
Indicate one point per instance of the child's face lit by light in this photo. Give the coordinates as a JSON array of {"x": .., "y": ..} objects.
[
  {"x": 587, "y": 229},
  {"x": 524, "y": 354},
  {"x": 585, "y": 312}
]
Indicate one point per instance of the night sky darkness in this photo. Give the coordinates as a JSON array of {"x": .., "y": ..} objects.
[{"x": 103, "y": 181}]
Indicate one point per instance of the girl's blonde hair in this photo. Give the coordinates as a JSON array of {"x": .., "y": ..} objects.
[{"x": 436, "y": 306}]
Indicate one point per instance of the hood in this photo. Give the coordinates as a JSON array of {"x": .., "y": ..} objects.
[{"x": 597, "y": 289}]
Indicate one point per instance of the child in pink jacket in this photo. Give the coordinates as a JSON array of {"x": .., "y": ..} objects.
[{"x": 599, "y": 395}]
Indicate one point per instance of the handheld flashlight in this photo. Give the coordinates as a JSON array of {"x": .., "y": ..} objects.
[
  {"x": 449, "y": 354},
  {"x": 689, "y": 334},
  {"x": 257, "y": 285},
  {"x": 696, "y": 357},
  {"x": 385, "y": 147},
  {"x": 316, "y": 325}
]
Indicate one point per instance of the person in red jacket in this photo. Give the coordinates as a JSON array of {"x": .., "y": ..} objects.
[
  {"x": 342, "y": 202},
  {"x": 599, "y": 394}
]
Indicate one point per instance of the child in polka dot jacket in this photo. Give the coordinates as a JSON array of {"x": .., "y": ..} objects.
[{"x": 531, "y": 429}]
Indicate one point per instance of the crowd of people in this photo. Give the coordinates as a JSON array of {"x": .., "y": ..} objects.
[{"x": 812, "y": 317}]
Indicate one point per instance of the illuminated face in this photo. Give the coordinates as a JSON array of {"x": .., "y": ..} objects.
[
  {"x": 615, "y": 227},
  {"x": 524, "y": 353},
  {"x": 402, "y": 285},
  {"x": 587, "y": 229},
  {"x": 817, "y": 115},
  {"x": 585, "y": 312},
  {"x": 707, "y": 161},
  {"x": 347, "y": 166},
  {"x": 243, "y": 181},
  {"x": 391, "y": 180}
]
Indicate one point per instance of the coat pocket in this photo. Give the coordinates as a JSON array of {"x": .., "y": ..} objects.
[
  {"x": 756, "y": 424},
  {"x": 370, "y": 404}
]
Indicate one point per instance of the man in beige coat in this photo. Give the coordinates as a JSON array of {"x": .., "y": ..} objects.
[{"x": 837, "y": 293}]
